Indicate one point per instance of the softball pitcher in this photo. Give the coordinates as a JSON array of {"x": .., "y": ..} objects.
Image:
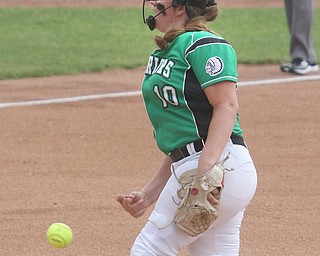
[{"x": 189, "y": 91}]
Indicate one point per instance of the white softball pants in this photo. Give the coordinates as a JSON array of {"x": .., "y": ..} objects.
[{"x": 160, "y": 236}]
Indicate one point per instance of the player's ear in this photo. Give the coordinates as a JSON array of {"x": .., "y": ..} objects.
[{"x": 180, "y": 10}]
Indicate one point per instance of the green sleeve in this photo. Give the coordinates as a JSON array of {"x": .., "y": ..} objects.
[{"x": 213, "y": 63}]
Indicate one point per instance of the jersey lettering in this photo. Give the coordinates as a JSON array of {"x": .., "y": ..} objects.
[
  {"x": 161, "y": 67},
  {"x": 152, "y": 64},
  {"x": 149, "y": 66},
  {"x": 167, "y": 71}
]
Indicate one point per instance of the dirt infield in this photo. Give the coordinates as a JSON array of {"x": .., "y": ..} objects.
[{"x": 67, "y": 162}]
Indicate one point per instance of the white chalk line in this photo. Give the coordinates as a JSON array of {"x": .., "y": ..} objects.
[{"x": 138, "y": 93}]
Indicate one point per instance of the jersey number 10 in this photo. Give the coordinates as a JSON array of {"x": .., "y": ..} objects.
[{"x": 167, "y": 95}]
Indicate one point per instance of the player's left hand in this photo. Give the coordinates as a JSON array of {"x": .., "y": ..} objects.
[
  {"x": 134, "y": 203},
  {"x": 211, "y": 197}
]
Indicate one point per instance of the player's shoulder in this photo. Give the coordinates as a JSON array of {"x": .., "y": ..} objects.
[
  {"x": 194, "y": 36},
  {"x": 204, "y": 39},
  {"x": 194, "y": 39}
]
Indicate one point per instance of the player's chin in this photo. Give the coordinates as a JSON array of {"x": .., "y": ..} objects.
[{"x": 160, "y": 27}]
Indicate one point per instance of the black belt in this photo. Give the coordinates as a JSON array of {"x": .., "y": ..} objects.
[{"x": 197, "y": 146}]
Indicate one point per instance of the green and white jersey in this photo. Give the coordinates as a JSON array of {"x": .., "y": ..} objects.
[{"x": 173, "y": 87}]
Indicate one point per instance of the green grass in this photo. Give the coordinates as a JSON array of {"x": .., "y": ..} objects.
[
  {"x": 258, "y": 35},
  {"x": 52, "y": 41},
  {"x": 41, "y": 42}
]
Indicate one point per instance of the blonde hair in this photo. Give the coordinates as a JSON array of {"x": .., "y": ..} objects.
[{"x": 196, "y": 23}]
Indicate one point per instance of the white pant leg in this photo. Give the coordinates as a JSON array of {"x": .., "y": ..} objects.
[
  {"x": 223, "y": 238},
  {"x": 161, "y": 237}
]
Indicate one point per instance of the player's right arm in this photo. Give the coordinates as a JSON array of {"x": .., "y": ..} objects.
[{"x": 137, "y": 202}]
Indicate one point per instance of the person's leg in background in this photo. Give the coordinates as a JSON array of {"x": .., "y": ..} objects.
[{"x": 303, "y": 55}]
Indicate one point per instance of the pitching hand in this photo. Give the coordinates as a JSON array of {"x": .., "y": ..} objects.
[{"x": 134, "y": 203}]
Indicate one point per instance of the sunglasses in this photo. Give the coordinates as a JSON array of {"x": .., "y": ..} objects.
[{"x": 160, "y": 7}]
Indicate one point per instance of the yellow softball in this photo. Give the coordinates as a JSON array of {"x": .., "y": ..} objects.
[{"x": 59, "y": 235}]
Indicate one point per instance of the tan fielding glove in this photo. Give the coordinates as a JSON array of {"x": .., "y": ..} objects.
[{"x": 195, "y": 213}]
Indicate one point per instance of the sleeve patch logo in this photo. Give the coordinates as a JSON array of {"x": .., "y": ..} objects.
[{"x": 214, "y": 66}]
